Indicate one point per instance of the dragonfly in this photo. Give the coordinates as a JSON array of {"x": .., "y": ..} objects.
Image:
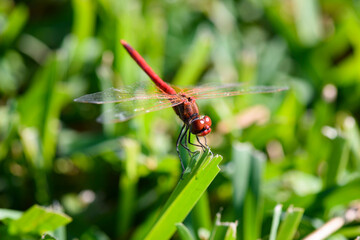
[{"x": 131, "y": 102}]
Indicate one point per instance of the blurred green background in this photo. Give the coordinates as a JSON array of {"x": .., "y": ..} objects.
[{"x": 113, "y": 179}]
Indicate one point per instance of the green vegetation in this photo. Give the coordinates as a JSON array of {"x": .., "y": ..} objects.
[{"x": 299, "y": 148}]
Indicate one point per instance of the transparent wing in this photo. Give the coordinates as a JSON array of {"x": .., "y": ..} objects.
[
  {"x": 123, "y": 111},
  {"x": 130, "y": 101},
  {"x": 113, "y": 95},
  {"x": 135, "y": 102},
  {"x": 227, "y": 90}
]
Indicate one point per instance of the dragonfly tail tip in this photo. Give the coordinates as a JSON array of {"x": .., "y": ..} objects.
[{"x": 123, "y": 42}]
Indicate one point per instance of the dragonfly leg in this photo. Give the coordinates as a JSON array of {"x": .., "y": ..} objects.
[
  {"x": 208, "y": 147},
  {"x": 204, "y": 147},
  {"x": 185, "y": 145},
  {"x": 178, "y": 142},
  {"x": 183, "y": 135},
  {"x": 189, "y": 141}
]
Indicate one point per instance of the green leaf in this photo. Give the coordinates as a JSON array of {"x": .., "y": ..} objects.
[
  {"x": 184, "y": 232},
  {"x": 38, "y": 220},
  {"x": 197, "y": 177},
  {"x": 290, "y": 224}
]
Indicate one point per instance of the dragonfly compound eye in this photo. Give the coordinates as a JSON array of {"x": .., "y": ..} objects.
[
  {"x": 207, "y": 121},
  {"x": 201, "y": 126}
]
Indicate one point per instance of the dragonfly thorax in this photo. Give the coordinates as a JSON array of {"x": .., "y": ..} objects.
[{"x": 200, "y": 126}]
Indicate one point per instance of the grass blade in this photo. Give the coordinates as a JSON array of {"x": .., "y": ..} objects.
[
  {"x": 246, "y": 174},
  {"x": 231, "y": 232},
  {"x": 308, "y": 21},
  {"x": 38, "y": 220},
  {"x": 215, "y": 230},
  {"x": 197, "y": 177},
  {"x": 10, "y": 214},
  {"x": 196, "y": 61},
  {"x": 290, "y": 224},
  {"x": 275, "y": 222},
  {"x": 184, "y": 232},
  {"x": 84, "y": 18},
  {"x": 201, "y": 215},
  {"x": 337, "y": 161},
  {"x": 127, "y": 187},
  {"x": 223, "y": 230},
  {"x": 15, "y": 22},
  {"x": 352, "y": 134}
]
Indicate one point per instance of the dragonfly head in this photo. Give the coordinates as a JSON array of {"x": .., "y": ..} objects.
[{"x": 201, "y": 126}]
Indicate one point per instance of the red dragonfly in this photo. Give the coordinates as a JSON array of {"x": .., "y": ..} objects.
[{"x": 133, "y": 102}]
